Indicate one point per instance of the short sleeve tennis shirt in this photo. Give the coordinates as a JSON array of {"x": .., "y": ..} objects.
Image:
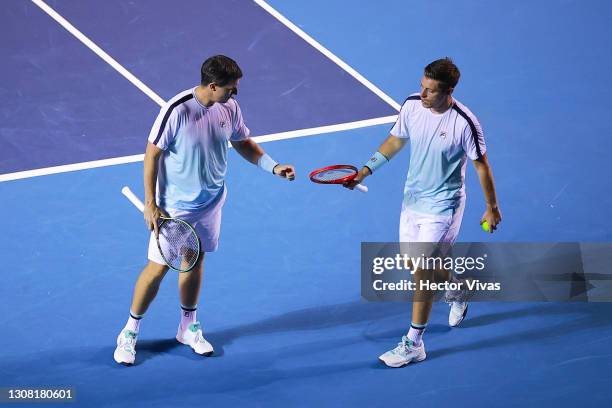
[
  {"x": 439, "y": 146},
  {"x": 194, "y": 139}
]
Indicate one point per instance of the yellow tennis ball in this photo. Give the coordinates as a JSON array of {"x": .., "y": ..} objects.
[{"x": 485, "y": 227}]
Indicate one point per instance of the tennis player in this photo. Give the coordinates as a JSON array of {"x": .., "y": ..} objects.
[
  {"x": 184, "y": 171},
  {"x": 442, "y": 133}
]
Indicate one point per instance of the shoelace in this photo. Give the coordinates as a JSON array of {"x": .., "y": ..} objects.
[
  {"x": 128, "y": 339},
  {"x": 403, "y": 345},
  {"x": 196, "y": 327}
]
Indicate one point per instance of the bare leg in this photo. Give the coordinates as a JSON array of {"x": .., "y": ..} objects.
[
  {"x": 423, "y": 299},
  {"x": 421, "y": 307},
  {"x": 147, "y": 286},
  {"x": 190, "y": 282}
]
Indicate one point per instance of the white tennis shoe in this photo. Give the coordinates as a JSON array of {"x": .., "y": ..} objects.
[
  {"x": 125, "y": 353},
  {"x": 192, "y": 336},
  {"x": 458, "y": 311},
  {"x": 405, "y": 352}
]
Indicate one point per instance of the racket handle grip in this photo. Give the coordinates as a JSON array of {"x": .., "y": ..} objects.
[
  {"x": 362, "y": 188},
  {"x": 132, "y": 197}
]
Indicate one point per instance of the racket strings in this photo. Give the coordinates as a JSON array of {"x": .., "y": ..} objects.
[
  {"x": 182, "y": 246},
  {"x": 334, "y": 174}
]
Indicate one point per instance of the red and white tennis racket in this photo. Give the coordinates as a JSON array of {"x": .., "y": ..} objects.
[{"x": 338, "y": 174}]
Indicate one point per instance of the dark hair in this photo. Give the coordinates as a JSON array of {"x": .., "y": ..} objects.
[
  {"x": 445, "y": 71},
  {"x": 221, "y": 70}
]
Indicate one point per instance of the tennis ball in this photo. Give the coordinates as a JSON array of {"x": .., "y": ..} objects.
[{"x": 485, "y": 227}]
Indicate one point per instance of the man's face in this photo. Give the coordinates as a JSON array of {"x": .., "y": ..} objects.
[
  {"x": 222, "y": 94},
  {"x": 433, "y": 95}
]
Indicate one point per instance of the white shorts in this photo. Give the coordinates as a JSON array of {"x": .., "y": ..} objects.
[
  {"x": 207, "y": 224},
  {"x": 419, "y": 227}
]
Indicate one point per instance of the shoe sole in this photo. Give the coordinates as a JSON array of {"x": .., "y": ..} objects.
[
  {"x": 207, "y": 354},
  {"x": 123, "y": 363},
  {"x": 402, "y": 364},
  {"x": 462, "y": 317}
]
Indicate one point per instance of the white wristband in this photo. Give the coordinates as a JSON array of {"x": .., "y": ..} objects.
[{"x": 266, "y": 163}]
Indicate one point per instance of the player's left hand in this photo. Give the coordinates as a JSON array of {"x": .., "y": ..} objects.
[
  {"x": 285, "y": 170},
  {"x": 492, "y": 216}
]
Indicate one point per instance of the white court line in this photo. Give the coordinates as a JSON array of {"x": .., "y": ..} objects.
[
  {"x": 329, "y": 54},
  {"x": 325, "y": 129},
  {"x": 139, "y": 157},
  {"x": 99, "y": 52},
  {"x": 70, "y": 167}
]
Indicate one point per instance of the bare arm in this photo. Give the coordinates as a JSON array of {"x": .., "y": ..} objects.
[
  {"x": 252, "y": 152},
  {"x": 249, "y": 149},
  {"x": 391, "y": 146},
  {"x": 388, "y": 148},
  {"x": 492, "y": 214},
  {"x": 151, "y": 211}
]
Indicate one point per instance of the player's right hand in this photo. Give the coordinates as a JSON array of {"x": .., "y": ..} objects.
[
  {"x": 362, "y": 174},
  {"x": 152, "y": 214}
]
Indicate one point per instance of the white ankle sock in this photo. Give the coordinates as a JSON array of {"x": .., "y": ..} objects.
[
  {"x": 416, "y": 333},
  {"x": 133, "y": 322},
  {"x": 188, "y": 316}
]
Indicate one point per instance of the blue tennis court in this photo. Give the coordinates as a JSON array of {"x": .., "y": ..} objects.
[{"x": 281, "y": 297}]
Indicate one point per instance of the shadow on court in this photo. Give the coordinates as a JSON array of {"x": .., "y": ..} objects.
[
  {"x": 147, "y": 349},
  {"x": 582, "y": 317},
  {"x": 318, "y": 318},
  {"x": 346, "y": 345},
  {"x": 590, "y": 317}
]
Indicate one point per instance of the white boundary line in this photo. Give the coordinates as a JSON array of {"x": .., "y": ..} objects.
[
  {"x": 99, "y": 52},
  {"x": 328, "y": 54},
  {"x": 325, "y": 129},
  {"x": 139, "y": 157},
  {"x": 70, "y": 167}
]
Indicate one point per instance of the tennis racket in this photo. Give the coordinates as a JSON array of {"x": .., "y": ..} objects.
[
  {"x": 338, "y": 174},
  {"x": 177, "y": 241}
]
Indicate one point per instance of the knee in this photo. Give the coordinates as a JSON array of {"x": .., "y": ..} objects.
[
  {"x": 199, "y": 266},
  {"x": 155, "y": 271}
]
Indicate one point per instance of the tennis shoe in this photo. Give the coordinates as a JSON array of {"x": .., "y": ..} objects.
[
  {"x": 458, "y": 311},
  {"x": 458, "y": 295},
  {"x": 192, "y": 336},
  {"x": 125, "y": 353},
  {"x": 405, "y": 352}
]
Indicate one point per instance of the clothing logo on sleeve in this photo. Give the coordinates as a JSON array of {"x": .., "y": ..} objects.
[
  {"x": 443, "y": 135},
  {"x": 222, "y": 124}
]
